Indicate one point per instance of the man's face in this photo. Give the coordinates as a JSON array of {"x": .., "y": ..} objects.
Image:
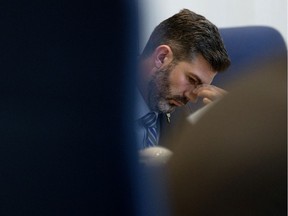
[{"x": 172, "y": 85}]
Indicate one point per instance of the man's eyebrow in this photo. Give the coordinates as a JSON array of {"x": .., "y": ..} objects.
[{"x": 197, "y": 78}]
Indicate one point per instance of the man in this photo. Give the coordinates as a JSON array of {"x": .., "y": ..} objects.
[{"x": 178, "y": 64}]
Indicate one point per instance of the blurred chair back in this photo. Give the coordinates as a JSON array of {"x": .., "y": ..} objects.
[{"x": 248, "y": 46}]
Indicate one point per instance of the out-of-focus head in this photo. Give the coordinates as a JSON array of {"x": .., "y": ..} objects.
[{"x": 235, "y": 162}]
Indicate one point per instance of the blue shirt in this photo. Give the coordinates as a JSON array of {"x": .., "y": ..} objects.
[{"x": 141, "y": 110}]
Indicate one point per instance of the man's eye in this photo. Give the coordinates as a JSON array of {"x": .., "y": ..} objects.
[{"x": 193, "y": 81}]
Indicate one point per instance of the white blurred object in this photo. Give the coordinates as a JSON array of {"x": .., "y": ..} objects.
[
  {"x": 195, "y": 116},
  {"x": 154, "y": 156}
]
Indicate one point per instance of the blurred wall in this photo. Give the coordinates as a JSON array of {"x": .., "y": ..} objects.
[{"x": 223, "y": 13}]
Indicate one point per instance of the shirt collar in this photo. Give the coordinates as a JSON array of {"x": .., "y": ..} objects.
[{"x": 141, "y": 106}]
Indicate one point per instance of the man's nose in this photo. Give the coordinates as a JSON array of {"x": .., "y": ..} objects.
[{"x": 191, "y": 96}]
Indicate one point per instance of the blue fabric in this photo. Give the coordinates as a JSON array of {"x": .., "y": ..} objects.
[
  {"x": 150, "y": 123},
  {"x": 140, "y": 130}
]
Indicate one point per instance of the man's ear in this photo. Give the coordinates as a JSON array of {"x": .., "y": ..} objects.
[{"x": 163, "y": 55}]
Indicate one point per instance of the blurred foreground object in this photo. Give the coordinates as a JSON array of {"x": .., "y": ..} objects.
[
  {"x": 65, "y": 67},
  {"x": 155, "y": 156},
  {"x": 235, "y": 161}
]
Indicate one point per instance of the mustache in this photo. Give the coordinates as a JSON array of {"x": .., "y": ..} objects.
[{"x": 179, "y": 98}]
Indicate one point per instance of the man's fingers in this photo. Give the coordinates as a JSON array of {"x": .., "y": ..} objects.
[
  {"x": 209, "y": 93},
  {"x": 209, "y": 87},
  {"x": 207, "y": 101}
]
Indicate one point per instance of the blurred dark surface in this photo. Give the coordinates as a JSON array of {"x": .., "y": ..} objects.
[
  {"x": 234, "y": 160},
  {"x": 66, "y": 69}
]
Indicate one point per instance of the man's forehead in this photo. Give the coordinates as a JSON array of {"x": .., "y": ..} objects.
[{"x": 199, "y": 68}]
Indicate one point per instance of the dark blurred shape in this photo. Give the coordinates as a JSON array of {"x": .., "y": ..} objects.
[
  {"x": 66, "y": 70},
  {"x": 234, "y": 161}
]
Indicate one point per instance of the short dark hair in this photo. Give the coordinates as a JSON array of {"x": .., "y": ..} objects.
[{"x": 189, "y": 34}]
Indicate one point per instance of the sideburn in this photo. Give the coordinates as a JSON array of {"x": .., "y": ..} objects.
[{"x": 159, "y": 87}]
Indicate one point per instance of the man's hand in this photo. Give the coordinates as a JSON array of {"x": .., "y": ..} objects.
[{"x": 209, "y": 93}]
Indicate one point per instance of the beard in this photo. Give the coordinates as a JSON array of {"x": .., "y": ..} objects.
[{"x": 160, "y": 92}]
